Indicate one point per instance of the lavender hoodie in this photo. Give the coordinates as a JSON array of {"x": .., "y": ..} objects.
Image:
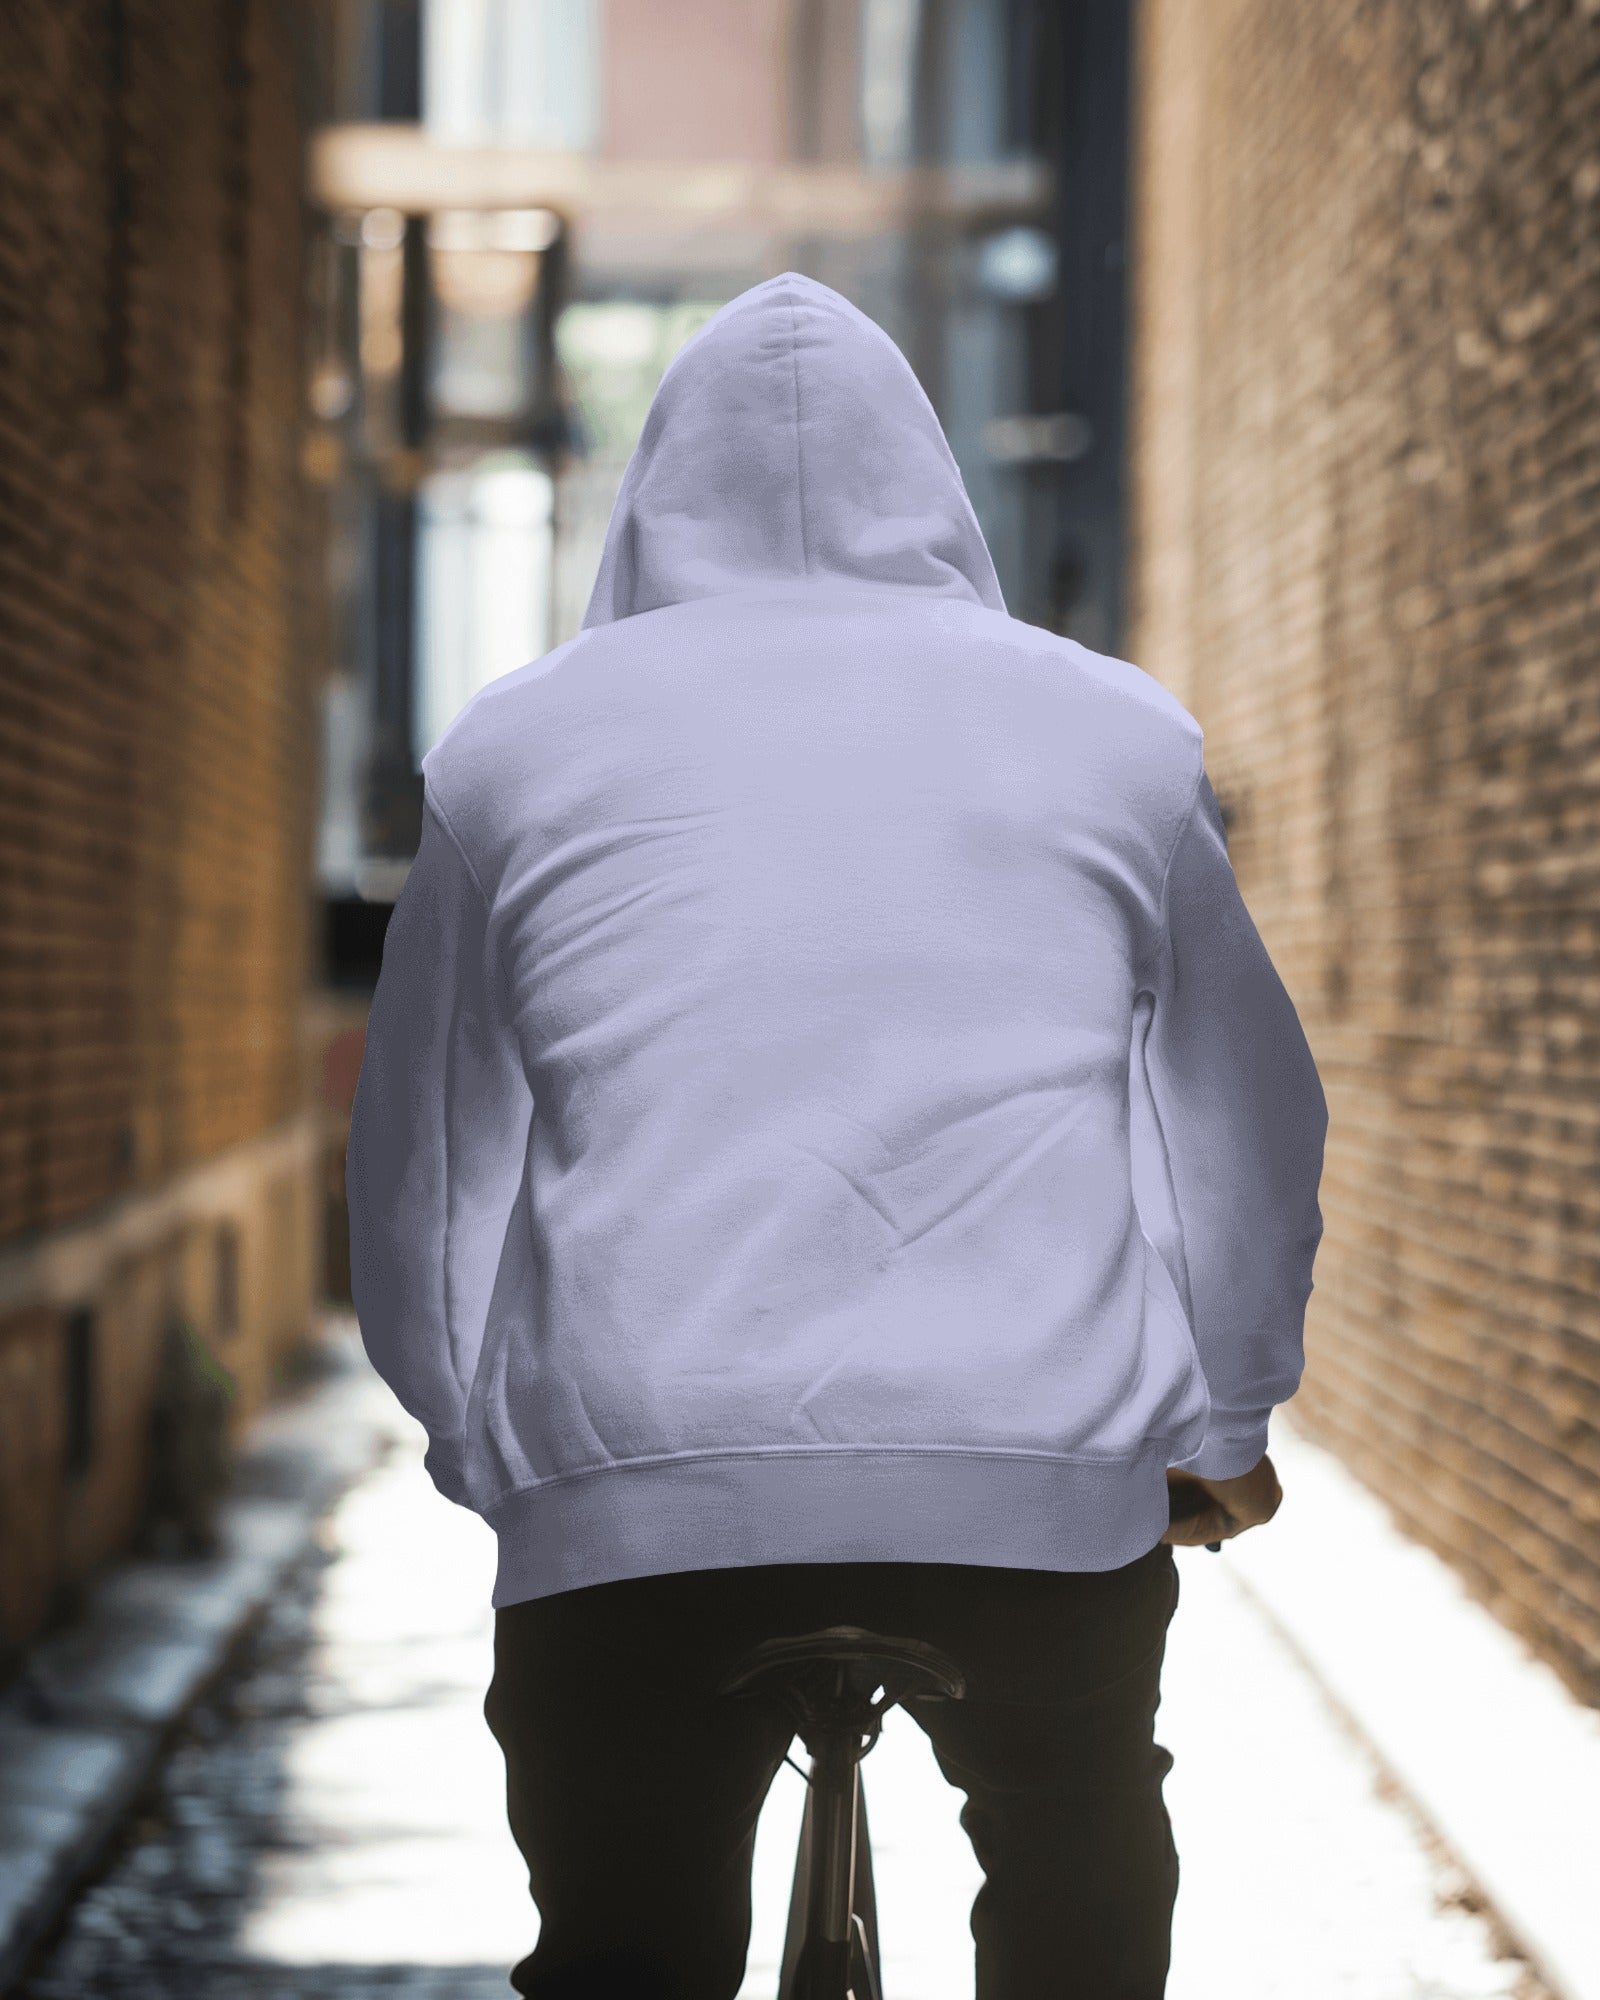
[{"x": 824, "y": 1099}]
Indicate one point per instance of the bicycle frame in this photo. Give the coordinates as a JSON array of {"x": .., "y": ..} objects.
[
  {"x": 836, "y": 1685},
  {"x": 831, "y": 1944}
]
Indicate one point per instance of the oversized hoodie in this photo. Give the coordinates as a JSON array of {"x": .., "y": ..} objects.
[{"x": 825, "y": 1098}]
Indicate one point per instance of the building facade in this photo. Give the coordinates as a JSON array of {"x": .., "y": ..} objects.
[
  {"x": 956, "y": 167},
  {"x": 159, "y": 1165},
  {"x": 1366, "y": 552}
]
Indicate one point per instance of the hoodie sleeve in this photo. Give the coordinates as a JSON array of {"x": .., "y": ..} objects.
[
  {"x": 1228, "y": 1126},
  {"x": 438, "y": 1134}
]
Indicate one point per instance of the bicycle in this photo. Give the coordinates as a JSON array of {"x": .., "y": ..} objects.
[{"x": 837, "y": 1685}]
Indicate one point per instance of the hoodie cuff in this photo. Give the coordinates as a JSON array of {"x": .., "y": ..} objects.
[
  {"x": 1229, "y": 1454},
  {"x": 445, "y": 1464}
]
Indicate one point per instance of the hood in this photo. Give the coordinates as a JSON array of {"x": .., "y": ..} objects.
[{"x": 789, "y": 440}]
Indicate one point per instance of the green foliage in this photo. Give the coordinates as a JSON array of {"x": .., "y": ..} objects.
[{"x": 203, "y": 1361}]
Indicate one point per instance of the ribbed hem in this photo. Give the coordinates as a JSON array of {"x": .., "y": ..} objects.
[
  {"x": 1230, "y": 1453},
  {"x": 997, "y": 1510}
]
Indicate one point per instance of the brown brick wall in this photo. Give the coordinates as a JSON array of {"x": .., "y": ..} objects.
[
  {"x": 1367, "y": 553},
  {"x": 157, "y": 761},
  {"x": 31, "y": 1471},
  {"x": 158, "y": 674}
]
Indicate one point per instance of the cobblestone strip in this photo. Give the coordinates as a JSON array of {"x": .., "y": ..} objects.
[{"x": 84, "y": 1724}]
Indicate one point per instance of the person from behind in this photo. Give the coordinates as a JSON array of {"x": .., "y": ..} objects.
[{"x": 831, "y": 1147}]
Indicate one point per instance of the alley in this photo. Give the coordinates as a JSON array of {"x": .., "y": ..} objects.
[
  {"x": 1262, "y": 338},
  {"x": 328, "y": 1826}
]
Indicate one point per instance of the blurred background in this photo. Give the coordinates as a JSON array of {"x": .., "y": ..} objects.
[{"x": 1267, "y": 337}]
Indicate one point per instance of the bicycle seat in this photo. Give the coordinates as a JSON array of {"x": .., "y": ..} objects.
[{"x": 833, "y": 1678}]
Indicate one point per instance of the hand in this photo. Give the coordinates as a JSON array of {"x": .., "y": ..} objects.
[{"x": 1215, "y": 1510}]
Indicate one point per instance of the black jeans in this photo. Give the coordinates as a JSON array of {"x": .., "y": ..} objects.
[{"x": 634, "y": 1790}]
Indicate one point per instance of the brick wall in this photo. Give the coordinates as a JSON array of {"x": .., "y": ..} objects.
[
  {"x": 157, "y": 685},
  {"x": 1367, "y": 554},
  {"x": 156, "y": 764}
]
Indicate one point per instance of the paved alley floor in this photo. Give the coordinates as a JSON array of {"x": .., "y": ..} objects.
[{"x": 329, "y": 1825}]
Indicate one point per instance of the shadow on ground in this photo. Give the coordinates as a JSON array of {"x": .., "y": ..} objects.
[{"x": 163, "y": 1920}]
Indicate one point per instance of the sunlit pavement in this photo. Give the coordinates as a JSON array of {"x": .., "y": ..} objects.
[{"x": 331, "y": 1824}]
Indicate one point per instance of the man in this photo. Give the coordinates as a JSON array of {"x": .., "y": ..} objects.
[{"x": 830, "y": 1144}]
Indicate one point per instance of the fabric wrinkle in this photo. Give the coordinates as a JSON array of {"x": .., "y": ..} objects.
[{"x": 805, "y": 886}]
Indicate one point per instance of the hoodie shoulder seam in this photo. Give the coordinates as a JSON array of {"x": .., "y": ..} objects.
[
  {"x": 507, "y": 993},
  {"x": 436, "y": 807},
  {"x": 1163, "y": 926}
]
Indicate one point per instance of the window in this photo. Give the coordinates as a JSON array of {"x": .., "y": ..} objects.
[
  {"x": 485, "y": 545},
  {"x": 486, "y": 269},
  {"x": 513, "y": 73},
  {"x": 79, "y": 1388},
  {"x": 890, "y": 35}
]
